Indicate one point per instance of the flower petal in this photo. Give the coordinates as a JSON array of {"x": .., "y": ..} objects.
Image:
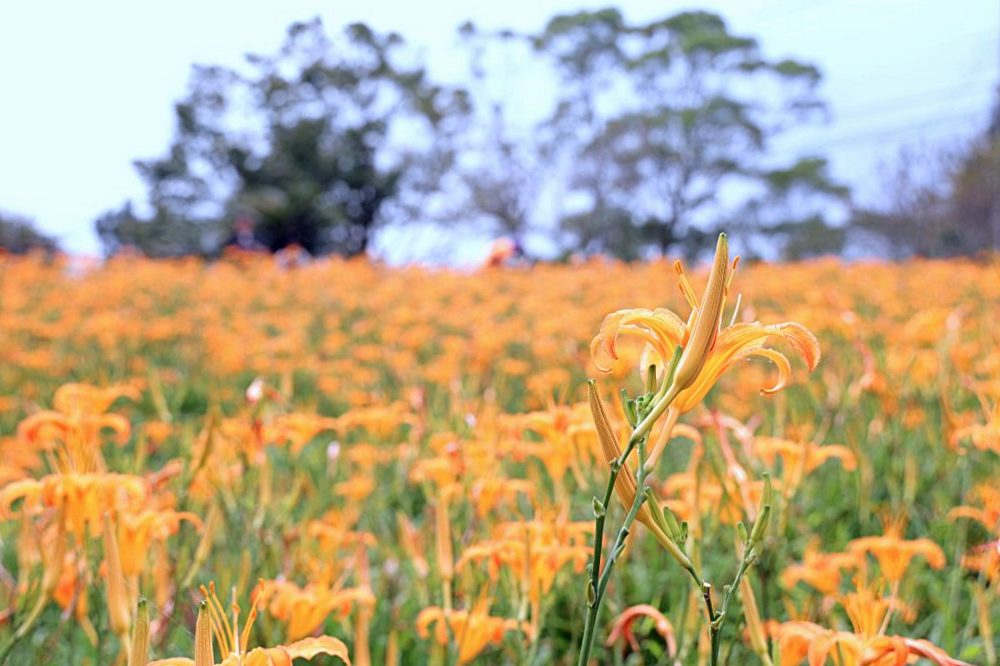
[
  {"x": 784, "y": 368},
  {"x": 802, "y": 341},
  {"x": 308, "y": 648},
  {"x": 661, "y": 328}
]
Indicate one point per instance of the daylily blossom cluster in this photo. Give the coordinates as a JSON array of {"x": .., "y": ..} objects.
[{"x": 397, "y": 465}]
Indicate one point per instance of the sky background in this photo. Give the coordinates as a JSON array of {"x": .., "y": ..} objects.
[{"x": 86, "y": 88}]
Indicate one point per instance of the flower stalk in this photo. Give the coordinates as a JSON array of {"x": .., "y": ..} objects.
[{"x": 701, "y": 351}]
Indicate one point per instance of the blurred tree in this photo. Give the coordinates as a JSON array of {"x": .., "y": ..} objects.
[
  {"x": 320, "y": 144},
  {"x": 161, "y": 235},
  {"x": 975, "y": 205},
  {"x": 941, "y": 202},
  {"x": 664, "y": 127},
  {"x": 19, "y": 235},
  {"x": 788, "y": 211},
  {"x": 500, "y": 172}
]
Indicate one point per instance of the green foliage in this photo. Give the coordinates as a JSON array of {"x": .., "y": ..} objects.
[
  {"x": 658, "y": 134},
  {"x": 303, "y": 141},
  {"x": 664, "y": 127},
  {"x": 162, "y": 235},
  {"x": 19, "y": 235},
  {"x": 941, "y": 203}
]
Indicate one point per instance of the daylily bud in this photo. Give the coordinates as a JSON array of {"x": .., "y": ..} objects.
[
  {"x": 625, "y": 484},
  {"x": 203, "y": 638},
  {"x": 442, "y": 538},
  {"x": 764, "y": 516},
  {"x": 706, "y": 324},
  {"x": 741, "y": 532},
  {"x": 760, "y": 526},
  {"x": 671, "y": 520},
  {"x": 118, "y": 607},
  {"x": 139, "y": 655}
]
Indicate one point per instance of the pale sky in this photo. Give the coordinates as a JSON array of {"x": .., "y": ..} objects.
[{"x": 87, "y": 87}]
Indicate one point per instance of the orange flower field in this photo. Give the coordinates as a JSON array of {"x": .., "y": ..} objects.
[{"x": 238, "y": 463}]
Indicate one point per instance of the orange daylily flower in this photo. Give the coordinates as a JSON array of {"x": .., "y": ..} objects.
[
  {"x": 985, "y": 557},
  {"x": 723, "y": 347},
  {"x": 472, "y": 630},
  {"x": 622, "y": 627},
  {"x": 138, "y": 530},
  {"x": 894, "y": 553},
  {"x": 232, "y": 641},
  {"x": 295, "y": 430},
  {"x": 820, "y": 570},
  {"x": 533, "y": 551},
  {"x": 83, "y": 497},
  {"x": 798, "y": 459},
  {"x": 866, "y": 645},
  {"x": 304, "y": 609},
  {"x": 989, "y": 514},
  {"x": 983, "y": 435},
  {"x": 72, "y": 429}
]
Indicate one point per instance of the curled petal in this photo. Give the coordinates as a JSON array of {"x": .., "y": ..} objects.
[
  {"x": 972, "y": 513},
  {"x": 931, "y": 551},
  {"x": 784, "y": 368},
  {"x": 84, "y": 398},
  {"x": 29, "y": 489},
  {"x": 308, "y": 648},
  {"x": 932, "y": 652},
  {"x": 435, "y": 616},
  {"x": 849, "y": 646},
  {"x": 802, "y": 341},
  {"x": 623, "y": 627},
  {"x": 43, "y": 426},
  {"x": 838, "y": 451},
  {"x": 661, "y": 328}
]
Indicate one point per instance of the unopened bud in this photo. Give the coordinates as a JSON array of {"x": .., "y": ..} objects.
[
  {"x": 760, "y": 525},
  {"x": 671, "y": 520},
  {"x": 139, "y": 654},
  {"x": 706, "y": 322}
]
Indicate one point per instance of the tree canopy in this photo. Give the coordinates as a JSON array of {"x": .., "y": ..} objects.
[
  {"x": 666, "y": 127},
  {"x": 656, "y": 134},
  {"x": 19, "y": 235},
  {"x": 320, "y": 144},
  {"x": 940, "y": 202}
]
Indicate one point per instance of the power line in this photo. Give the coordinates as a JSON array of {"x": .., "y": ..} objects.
[
  {"x": 849, "y": 139},
  {"x": 905, "y": 101}
]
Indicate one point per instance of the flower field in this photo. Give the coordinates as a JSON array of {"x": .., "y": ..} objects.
[{"x": 405, "y": 466}]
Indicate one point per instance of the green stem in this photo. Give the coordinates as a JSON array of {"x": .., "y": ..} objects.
[
  {"x": 718, "y": 619},
  {"x": 600, "y": 579},
  {"x": 25, "y": 627},
  {"x": 595, "y": 567}
]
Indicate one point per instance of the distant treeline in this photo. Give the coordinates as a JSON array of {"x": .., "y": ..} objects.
[{"x": 641, "y": 139}]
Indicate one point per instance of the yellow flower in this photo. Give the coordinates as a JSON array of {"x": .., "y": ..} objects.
[
  {"x": 232, "y": 642},
  {"x": 304, "y": 609},
  {"x": 119, "y": 616},
  {"x": 866, "y": 645},
  {"x": 473, "y": 630},
  {"x": 708, "y": 349},
  {"x": 83, "y": 497},
  {"x": 894, "y": 553},
  {"x": 622, "y": 628},
  {"x": 820, "y": 570}
]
